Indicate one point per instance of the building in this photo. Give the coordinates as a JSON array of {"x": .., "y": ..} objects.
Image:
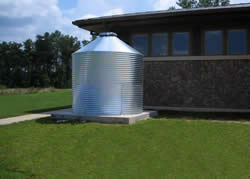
[{"x": 195, "y": 59}]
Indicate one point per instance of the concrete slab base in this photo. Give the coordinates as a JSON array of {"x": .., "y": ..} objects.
[{"x": 67, "y": 114}]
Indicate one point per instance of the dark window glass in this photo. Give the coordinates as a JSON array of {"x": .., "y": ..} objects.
[
  {"x": 160, "y": 44},
  {"x": 237, "y": 42},
  {"x": 140, "y": 43},
  {"x": 213, "y": 42},
  {"x": 180, "y": 43}
]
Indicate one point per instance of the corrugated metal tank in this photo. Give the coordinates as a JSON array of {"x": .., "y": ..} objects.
[{"x": 107, "y": 78}]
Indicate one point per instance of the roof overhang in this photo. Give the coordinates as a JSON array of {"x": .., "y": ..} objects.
[{"x": 106, "y": 23}]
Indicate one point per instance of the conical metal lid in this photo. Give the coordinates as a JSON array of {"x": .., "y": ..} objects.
[{"x": 108, "y": 42}]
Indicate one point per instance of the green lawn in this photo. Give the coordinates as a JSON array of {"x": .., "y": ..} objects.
[
  {"x": 162, "y": 148},
  {"x": 13, "y": 105}
]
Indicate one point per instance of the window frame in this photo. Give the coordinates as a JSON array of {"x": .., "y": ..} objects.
[
  {"x": 203, "y": 38},
  {"x": 189, "y": 43},
  {"x": 169, "y": 31},
  {"x": 148, "y": 54},
  {"x": 225, "y": 29},
  {"x": 246, "y": 42},
  {"x": 203, "y": 46},
  {"x": 151, "y": 46},
  {"x": 193, "y": 43}
]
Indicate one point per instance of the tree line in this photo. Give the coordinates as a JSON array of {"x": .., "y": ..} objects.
[
  {"x": 44, "y": 62},
  {"x": 200, "y": 3}
]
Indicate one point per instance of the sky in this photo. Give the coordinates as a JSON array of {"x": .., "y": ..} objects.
[{"x": 24, "y": 19}]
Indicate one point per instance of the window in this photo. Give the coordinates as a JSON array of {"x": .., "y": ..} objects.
[
  {"x": 236, "y": 42},
  {"x": 140, "y": 43},
  {"x": 160, "y": 44},
  {"x": 213, "y": 43},
  {"x": 181, "y": 43}
]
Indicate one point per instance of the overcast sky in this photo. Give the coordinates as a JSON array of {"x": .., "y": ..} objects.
[{"x": 23, "y": 19}]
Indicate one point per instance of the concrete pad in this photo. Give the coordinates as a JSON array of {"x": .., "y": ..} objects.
[{"x": 67, "y": 114}]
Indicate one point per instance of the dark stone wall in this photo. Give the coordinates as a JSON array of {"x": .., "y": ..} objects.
[{"x": 200, "y": 84}]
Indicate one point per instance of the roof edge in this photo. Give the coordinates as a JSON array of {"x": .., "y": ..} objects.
[{"x": 153, "y": 14}]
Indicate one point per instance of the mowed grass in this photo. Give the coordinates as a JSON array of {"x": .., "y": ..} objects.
[
  {"x": 160, "y": 148},
  {"x": 19, "y": 104}
]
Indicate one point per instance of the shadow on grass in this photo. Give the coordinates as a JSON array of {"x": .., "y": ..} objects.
[
  {"x": 50, "y": 120},
  {"x": 48, "y": 109},
  {"x": 204, "y": 115},
  {"x": 47, "y": 120}
]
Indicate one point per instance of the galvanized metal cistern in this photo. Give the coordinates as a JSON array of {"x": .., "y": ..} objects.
[{"x": 107, "y": 78}]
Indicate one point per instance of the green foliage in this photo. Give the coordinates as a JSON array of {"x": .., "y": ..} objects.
[
  {"x": 204, "y": 3},
  {"x": 40, "y": 63},
  {"x": 224, "y": 2},
  {"x": 159, "y": 148},
  {"x": 171, "y": 8},
  {"x": 85, "y": 42},
  {"x": 201, "y": 3},
  {"x": 210, "y": 3},
  {"x": 186, "y": 3}
]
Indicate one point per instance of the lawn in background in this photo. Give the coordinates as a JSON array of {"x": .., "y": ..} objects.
[
  {"x": 160, "y": 148},
  {"x": 19, "y": 104}
]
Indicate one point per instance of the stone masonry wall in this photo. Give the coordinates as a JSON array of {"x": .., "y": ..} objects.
[{"x": 199, "y": 84}]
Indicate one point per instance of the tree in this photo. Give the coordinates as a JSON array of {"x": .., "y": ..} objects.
[
  {"x": 205, "y": 3},
  {"x": 44, "y": 57},
  {"x": 212, "y": 3},
  {"x": 67, "y": 45},
  {"x": 93, "y": 37},
  {"x": 12, "y": 64},
  {"x": 201, "y": 3},
  {"x": 186, "y": 3},
  {"x": 29, "y": 60},
  {"x": 85, "y": 42},
  {"x": 171, "y": 8},
  {"x": 44, "y": 62}
]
